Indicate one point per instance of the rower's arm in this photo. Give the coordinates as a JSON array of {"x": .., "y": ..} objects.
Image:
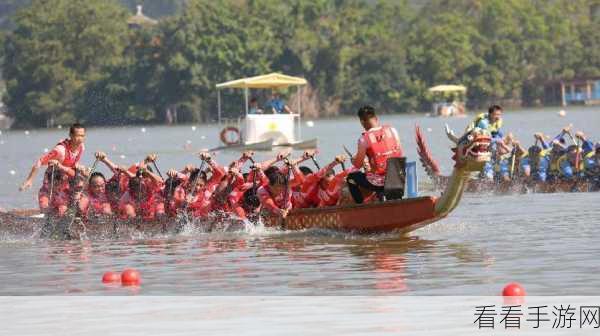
[
  {"x": 113, "y": 167},
  {"x": 54, "y": 154},
  {"x": 157, "y": 179}
]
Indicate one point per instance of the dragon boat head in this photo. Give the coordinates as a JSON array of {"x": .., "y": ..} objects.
[{"x": 472, "y": 150}]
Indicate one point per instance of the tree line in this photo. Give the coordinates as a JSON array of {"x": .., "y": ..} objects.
[{"x": 65, "y": 60}]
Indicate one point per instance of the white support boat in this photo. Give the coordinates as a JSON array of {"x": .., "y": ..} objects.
[{"x": 283, "y": 130}]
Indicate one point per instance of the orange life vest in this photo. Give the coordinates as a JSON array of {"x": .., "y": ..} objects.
[
  {"x": 381, "y": 145},
  {"x": 71, "y": 158}
]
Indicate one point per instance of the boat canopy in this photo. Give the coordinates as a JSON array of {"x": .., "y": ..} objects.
[
  {"x": 270, "y": 81},
  {"x": 448, "y": 88}
]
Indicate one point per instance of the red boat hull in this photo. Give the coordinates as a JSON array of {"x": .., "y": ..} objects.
[{"x": 399, "y": 216}]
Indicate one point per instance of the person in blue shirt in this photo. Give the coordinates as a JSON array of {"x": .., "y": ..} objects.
[
  {"x": 534, "y": 166},
  {"x": 277, "y": 105},
  {"x": 592, "y": 168}
]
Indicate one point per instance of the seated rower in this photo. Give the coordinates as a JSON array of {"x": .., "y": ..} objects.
[
  {"x": 592, "y": 168},
  {"x": 556, "y": 152},
  {"x": 276, "y": 197},
  {"x": 505, "y": 154},
  {"x": 328, "y": 190},
  {"x": 534, "y": 165},
  {"x": 571, "y": 164},
  {"x": 143, "y": 196},
  {"x": 378, "y": 144},
  {"x": 95, "y": 201},
  {"x": 116, "y": 186},
  {"x": 221, "y": 199},
  {"x": 198, "y": 189}
]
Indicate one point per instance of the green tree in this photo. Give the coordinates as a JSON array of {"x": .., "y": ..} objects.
[{"x": 55, "y": 49}]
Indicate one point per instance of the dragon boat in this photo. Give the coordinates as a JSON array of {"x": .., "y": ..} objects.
[
  {"x": 405, "y": 215},
  {"x": 476, "y": 184}
]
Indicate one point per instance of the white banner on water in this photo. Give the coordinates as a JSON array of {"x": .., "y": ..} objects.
[{"x": 306, "y": 315}]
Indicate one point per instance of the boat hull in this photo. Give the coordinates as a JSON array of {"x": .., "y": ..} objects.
[{"x": 392, "y": 216}]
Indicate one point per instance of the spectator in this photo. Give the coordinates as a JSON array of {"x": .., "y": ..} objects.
[
  {"x": 277, "y": 105},
  {"x": 254, "y": 109}
]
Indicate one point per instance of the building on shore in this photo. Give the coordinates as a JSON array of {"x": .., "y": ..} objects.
[
  {"x": 139, "y": 20},
  {"x": 579, "y": 91}
]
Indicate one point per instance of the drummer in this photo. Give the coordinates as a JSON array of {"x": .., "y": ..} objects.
[
  {"x": 378, "y": 143},
  {"x": 64, "y": 157}
]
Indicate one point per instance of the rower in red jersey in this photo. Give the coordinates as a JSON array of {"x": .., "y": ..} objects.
[
  {"x": 377, "y": 144},
  {"x": 64, "y": 157},
  {"x": 276, "y": 197},
  {"x": 144, "y": 195},
  {"x": 95, "y": 201},
  {"x": 116, "y": 186},
  {"x": 196, "y": 189},
  {"x": 328, "y": 189}
]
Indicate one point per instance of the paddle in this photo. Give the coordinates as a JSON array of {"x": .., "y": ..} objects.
[
  {"x": 578, "y": 152},
  {"x": 348, "y": 152},
  {"x": 52, "y": 182},
  {"x": 513, "y": 158},
  {"x": 312, "y": 157},
  {"x": 157, "y": 170},
  {"x": 194, "y": 183},
  {"x": 286, "y": 186}
]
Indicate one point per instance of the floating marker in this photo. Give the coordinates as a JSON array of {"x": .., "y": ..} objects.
[
  {"x": 194, "y": 128},
  {"x": 0, "y": 132},
  {"x": 429, "y": 129},
  {"x": 513, "y": 289},
  {"x": 562, "y": 113},
  {"x": 111, "y": 277},
  {"x": 46, "y": 150},
  {"x": 130, "y": 277},
  {"x": 59, "y": 126},
  {"x": 122, "y": 156},
  {"x": 12, "y": 172},
  {"x": 26, "y": 132},
  {"x": 143, "y": 129},
  {"x": 310, "y": 123},
  {"x": 203, "y": 137},
  {"x": 188, "y": 142}
]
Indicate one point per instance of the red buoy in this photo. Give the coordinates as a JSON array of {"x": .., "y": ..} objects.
[
  {"x": 130, "y": 277},
  {"x": 513, "y": 289},
  {"x": 111, "y": 277}
]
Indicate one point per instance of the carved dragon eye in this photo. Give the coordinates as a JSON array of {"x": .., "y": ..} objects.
[{"x": 470, "y": 137}]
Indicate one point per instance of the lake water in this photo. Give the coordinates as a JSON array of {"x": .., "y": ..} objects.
[{"x": 548, "y": 243}]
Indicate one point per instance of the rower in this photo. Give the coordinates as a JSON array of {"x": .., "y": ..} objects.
[
  {"x": 378, "y": 144},
  {"x": 95, "y": 200},
  {"x": 534, "y": 165},
  {"x": 328, "y": 189},
  {"x": 143, "y": 197},
  {"x": 276, "y": 197}
]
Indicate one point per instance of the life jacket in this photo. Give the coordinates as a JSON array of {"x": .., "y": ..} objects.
[
  {"x": 327, "y": 197},
  {"x": 96, "y": 204},
  {"x": 71, "y": 158},
  {"x": 564, "y": 158},
  {"x": 492, "y": 127},
  {"x": 381, "y": 145},
  {"x": 589, "y": 162}
]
